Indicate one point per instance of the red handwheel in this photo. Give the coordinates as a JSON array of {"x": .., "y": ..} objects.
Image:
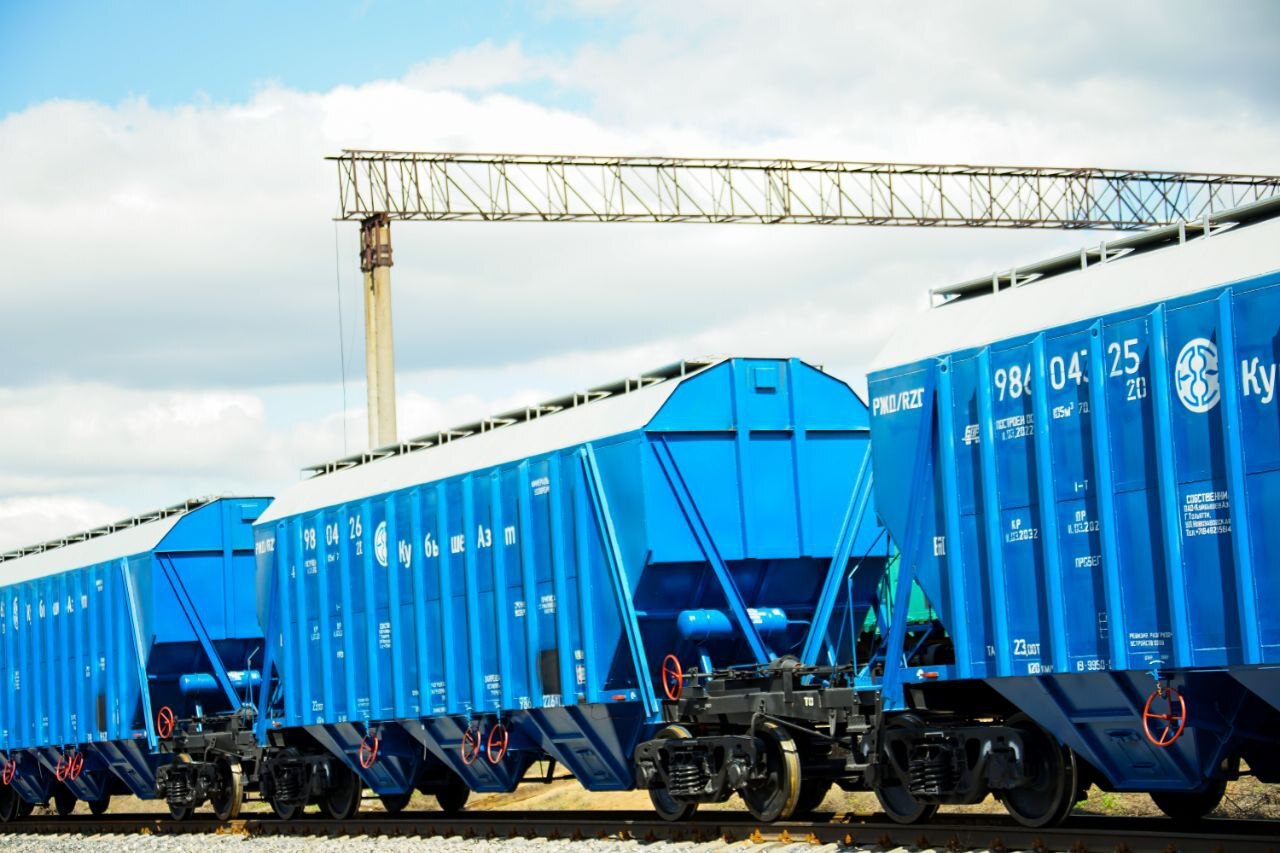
[
  {"x": 10, "y": 771},
  {"x": 470, "y": 746},
  {"x": 497, "y": 741},
  {"x": 369, "y": 751},
  {"x": 165, "y": 722},
  {"x": 1163, "y": 729},
  {"x": 672, "y": 677},
  {"x": 62, "y": 769},
  {"x": 75, "y": 764}
]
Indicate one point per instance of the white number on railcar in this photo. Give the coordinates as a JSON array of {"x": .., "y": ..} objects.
[
  {"x": 1124, "y": 358},
  {"x": 1013, "y": 382},
  {"x": 1061, "y": 372}
]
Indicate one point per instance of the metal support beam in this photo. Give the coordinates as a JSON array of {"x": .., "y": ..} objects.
[
  {"x": 134, "y": 609},
  {"x": 836, "y": 571},
  {"x": 271, "y": 640},
  {"x": 895, "y": 659},
  {"x": 618, "y": 574},
  {"x": 192, "y": 613},
  {"x": 707, "y": 544},
  {"x": 379, "y": 352},
  {"x": 555, "y": 188}
]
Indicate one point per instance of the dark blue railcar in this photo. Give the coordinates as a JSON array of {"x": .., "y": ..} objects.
[{"x": 1081, "y": 463}]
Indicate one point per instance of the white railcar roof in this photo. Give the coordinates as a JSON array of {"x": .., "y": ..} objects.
[
  {"x": 123, "y": 538},
  {"x": 1139, "y": 270},
  {"x": 587, "y": 416}
]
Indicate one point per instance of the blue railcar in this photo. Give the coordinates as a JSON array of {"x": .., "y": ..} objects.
[
  {"x": 108, "y": 643},
  {"x": 512, "y": 591},
  {"x": 1080, "y": 461}
]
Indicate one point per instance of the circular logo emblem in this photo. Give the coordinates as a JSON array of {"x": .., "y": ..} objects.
[
  {"x": 1196, "y": 374},
  {"x": 380, "y": 544}
]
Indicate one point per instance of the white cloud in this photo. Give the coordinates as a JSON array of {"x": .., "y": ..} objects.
[
  {"x": 480, "y": 68},
  {"x": 169, "y": 289},
  {"x": 31, "y": 520},
  {"x": 1139, "y": 84}
]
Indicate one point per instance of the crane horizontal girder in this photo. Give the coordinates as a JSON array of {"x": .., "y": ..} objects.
[{"x": 408, "y": 185}]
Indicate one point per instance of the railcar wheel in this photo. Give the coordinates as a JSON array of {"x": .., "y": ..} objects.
[
  {"x": 667, "y": 806},
  {"x": 24, "y": 808},
  {"x": 396, "y": 803},
  {"x": 287, "y": 811},
  {"x": 902, "y": 807},
  {"x": 64, "y": 801},
  {"x": 100, "y": 806},
  {"x": 226, "y": 802},
  {"x": 812, "y": 794},
  {"x": 342, "y": 801},
  {"x": 9, "y": 801},
  {"x": 894, "y": 796},
  {"x": 1051, "y": 795},
  {"x": 181, "y": 812},
  {"x": 453, "y": 797},
  {"x": 775, "y": 796},
  {"x": 1190, "y": 806}
]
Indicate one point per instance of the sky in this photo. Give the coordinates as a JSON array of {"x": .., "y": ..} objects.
[{"x": 182, "y": 316}]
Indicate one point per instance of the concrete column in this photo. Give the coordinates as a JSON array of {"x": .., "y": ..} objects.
[{"x": 379, "y": 349}]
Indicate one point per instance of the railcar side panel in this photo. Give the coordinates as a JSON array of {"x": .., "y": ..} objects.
[{"x": 1174, "y": 534}]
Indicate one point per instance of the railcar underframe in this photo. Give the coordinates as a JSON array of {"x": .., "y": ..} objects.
[
  {"x": 782, "y": 736},
  {"x": 785, "y": 734}
]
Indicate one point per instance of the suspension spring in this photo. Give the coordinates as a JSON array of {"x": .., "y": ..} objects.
[
  {"x": 177, "y": 788},
  {"x": 686, "y": 777},
  {"x": 288, "y": 784},
  {"x": 933, "y": 771}
]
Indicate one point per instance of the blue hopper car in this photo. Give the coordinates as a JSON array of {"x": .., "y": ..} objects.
[
  {"x": 1080, "y": 461},
  {"x": 111, "y": 641},
  {"x": 1038, "y": 560},
  {"x": 537, "y": 586}
]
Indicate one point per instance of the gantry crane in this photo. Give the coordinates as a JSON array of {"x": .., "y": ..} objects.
[{"x": 377, "y": 187}]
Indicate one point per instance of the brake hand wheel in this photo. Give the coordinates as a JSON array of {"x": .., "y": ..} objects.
[
  {"x": 369, "y": 751},
  {"x": 1163, "y": 729},
  {"x": 672, "y": 677},
  {"x": 470, "y": 747},
  {"x": 497, "y": 743},
  {"x": 165, "y": 722}
]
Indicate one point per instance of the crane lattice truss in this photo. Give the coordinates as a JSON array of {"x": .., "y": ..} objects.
[{"x": 523, "y": 187}]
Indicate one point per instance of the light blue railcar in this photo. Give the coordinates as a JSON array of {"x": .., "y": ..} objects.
[
  {"x": 115, "y": 639},
  {"x": 1082, "y": 469},
  {"x": 507, "y": 593}
]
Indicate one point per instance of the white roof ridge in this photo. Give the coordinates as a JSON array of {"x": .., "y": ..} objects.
[
  {"x": 1109, "y": 251},
  {"x": 1174, "y": 270},
  {"x": 625, "y": 408},
  {"x": 626, "y": 385},
  {"x": 107, "y": 529}
]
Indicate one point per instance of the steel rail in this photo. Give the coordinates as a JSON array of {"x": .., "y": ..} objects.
[{"x": 956, "y": 832}]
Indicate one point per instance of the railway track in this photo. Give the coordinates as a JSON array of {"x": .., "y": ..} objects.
[{"x": 1080, "y": 834}]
